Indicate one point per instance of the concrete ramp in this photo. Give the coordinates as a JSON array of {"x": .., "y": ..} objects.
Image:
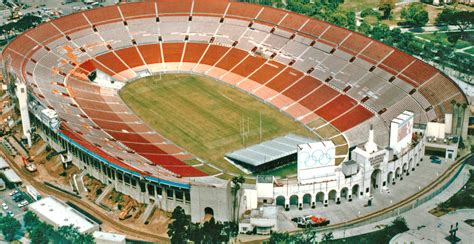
[
  {"x": 79, "y": 184},
  {"x": 106, "y": 191},
  {"x": 150, "y": 209}
]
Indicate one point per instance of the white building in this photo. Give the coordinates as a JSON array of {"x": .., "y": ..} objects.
[
  {"x": 260, "y": 221},
  {"x": 108, "y": 238},
  {"x": 370, "y": 169},
  {"x": 58, "y": 213}
]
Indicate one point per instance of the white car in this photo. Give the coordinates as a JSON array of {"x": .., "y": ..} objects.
[
  {"x": 13, "y": 193},
  {"x": 4, "y": 206},
  {"x": 23, "y": 203}
]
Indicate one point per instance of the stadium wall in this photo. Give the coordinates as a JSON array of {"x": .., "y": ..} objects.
[
  {"x": 193, "y": 199},
  {"x": 328, "y": 190}
]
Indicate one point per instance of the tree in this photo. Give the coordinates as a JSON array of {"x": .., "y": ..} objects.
[
  {"x": 386, "y": 7},
  {"x": 462, "y": 19},
  {"x": 279, "y": 237},
  {"x": 41, "y": 233},
  {"x": 455, "y": 117},
  {"x": 461, "y": 116},
  {"x": 380, "y": 32},
  {"x": 71, "y": 234},
  {"x": 9, "y": 227},
  {"x": 328, "y": 236},
  {"x": 399, "y": 224},
  {"x": 85, "y": 239},
  {"x": 195, "y": 233},
  {"x": 453, "y": 37},
  {"x": 370, "y": 12},
  {"x": 414, "y": 15},
  {"x": 30, "y": 220},
  {"x": 364, "y": 28},
  {"x": 212, "y": 232},
  {"x": 67, "y": 233},
  {"x": 339, "y": 18},
  {"x": 237, "y": 182},
  {"x": 177, "y": 229}
]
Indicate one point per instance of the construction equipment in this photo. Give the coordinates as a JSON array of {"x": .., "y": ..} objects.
[
  {"x": 126, "y": 211},
  {"x": 29, "y": 164}
]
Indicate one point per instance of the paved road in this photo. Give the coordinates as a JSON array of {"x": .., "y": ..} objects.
[{"x": 419, "y": 216}]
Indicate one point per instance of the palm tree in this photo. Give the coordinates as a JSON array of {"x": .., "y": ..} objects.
[
  {"x": 458, "y": 117},
  {"x": 453, "y": 104},
  {"x": 463, "y": 106},
  {"x": 327, "y": 237},
  {"x": 237, "y": 182}
]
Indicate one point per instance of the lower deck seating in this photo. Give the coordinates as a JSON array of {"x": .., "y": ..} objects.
[{"x": 336, "y": 107}]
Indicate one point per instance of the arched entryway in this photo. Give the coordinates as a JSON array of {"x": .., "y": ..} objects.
[
  {"x": 410, "y": 166},
  {"x": 320, "y": 197},
  {"x": 332, "y": 196},
  {"x": 294, "y": 200},
  {"x": 344, "y": 193},
  {"x": 375, "y": 180},
  {"x": 355, "y": 191},
  {"x": 307, "y": 199},
  {"x": 209, "y": 210},
  {"x": 390, "y": 177},
  {"x": 280, "y": 201},
  {"x": 398, "y": 173}
]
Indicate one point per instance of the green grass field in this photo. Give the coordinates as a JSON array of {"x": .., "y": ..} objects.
[
  {"x": 443, "y": 38},
  {"x": 204, "y": 116}
]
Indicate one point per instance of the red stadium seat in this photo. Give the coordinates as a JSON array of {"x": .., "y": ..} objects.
[
  {"x": 130, "y": 56},
  {"x": 151, "y": 53},
  {"x": 319, "y": 97},
  {"x": 138, "y": 10},
  {"x": 302, "y": 88},
  {"x": 170, "y": 7},
  {"x": 352, "y": 118},
  {"x": 172, "y": 52},
  {"x": 210, "y": 7},
  {"x": 336, "y": 107}
]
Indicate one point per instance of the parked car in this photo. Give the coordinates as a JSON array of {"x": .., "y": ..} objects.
[
  {"x": 18, "y": 198},
  {"x": 433, "y": 157},
  {"x": 13, "y": 192},
  {"x": 436, "y": 161},
  {"x": 23, "y": 203},
  {"x": 4, "y": 206},
  {"x": 11, "y": 214}
]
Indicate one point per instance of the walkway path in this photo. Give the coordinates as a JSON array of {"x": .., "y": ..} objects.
[{"x": 419, "y": 216}]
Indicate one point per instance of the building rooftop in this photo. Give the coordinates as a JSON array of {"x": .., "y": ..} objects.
[
  {"x": 3, "y": 163},
  {"x": 12, "y": 176},
  {"x": 107, "y": 236},
  {"x": 61, "y": 214},
  {"x": 268, "y": 151}
]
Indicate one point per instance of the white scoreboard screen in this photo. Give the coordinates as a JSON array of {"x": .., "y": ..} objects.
[{"x": 315, "y": 160}]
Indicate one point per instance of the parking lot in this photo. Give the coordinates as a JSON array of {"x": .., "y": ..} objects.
[{"x": 11, "y": 204}]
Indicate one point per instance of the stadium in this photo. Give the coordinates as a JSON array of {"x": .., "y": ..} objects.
[{"x": 87, "y": 76}]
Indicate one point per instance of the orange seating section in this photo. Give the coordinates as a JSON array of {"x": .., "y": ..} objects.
[{"x": 271, "y": 78}]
